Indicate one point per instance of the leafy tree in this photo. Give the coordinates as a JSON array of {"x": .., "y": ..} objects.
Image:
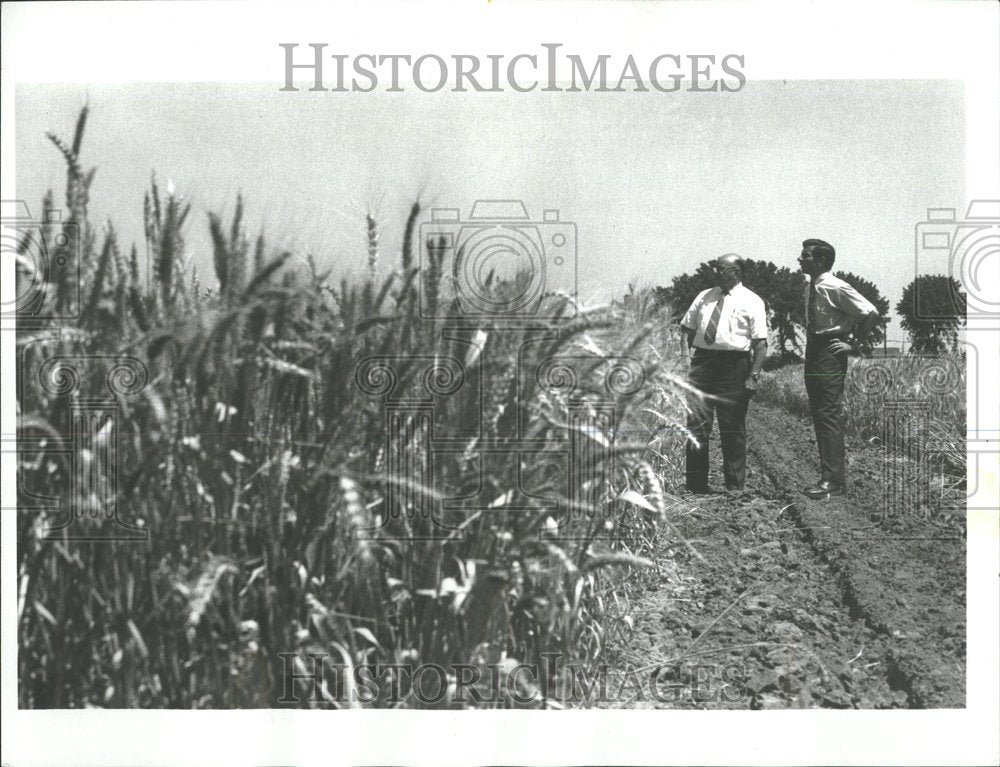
[
  {"x": 880, "y": 302},
  {"x": 932, "y": 308},
  {"x": 780, "y": 288}
]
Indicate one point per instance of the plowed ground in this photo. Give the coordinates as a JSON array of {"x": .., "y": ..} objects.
[{"x": 778, "y": 601}]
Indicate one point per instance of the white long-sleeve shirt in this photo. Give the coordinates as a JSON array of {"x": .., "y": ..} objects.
[{"x": 834, "y": 307}]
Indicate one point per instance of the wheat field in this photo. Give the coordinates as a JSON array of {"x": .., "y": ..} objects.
[{"x": 279, "y": 511}]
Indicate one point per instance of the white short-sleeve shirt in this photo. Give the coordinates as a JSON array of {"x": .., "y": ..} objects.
[{"x": 743, "y": 318}]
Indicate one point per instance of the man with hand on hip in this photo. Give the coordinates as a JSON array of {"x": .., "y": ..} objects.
[
  {"x": 838, "y": 320},
  {"x": 727, "y": 328}
]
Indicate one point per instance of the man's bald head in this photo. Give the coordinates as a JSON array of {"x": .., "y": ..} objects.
[
  {"x": 729, "y": 261},
  {"x": 728, "y": 270}
]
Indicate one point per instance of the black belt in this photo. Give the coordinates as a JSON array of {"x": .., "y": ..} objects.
[{"x": 698, "y": 350}]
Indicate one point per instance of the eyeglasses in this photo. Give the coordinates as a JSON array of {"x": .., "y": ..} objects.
[{"x": 723, "y": 269}]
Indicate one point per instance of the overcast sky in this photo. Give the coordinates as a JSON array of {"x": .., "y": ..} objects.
[{"x": 655, "y": 182}]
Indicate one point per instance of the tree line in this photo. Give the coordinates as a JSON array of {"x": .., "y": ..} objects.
[{"x": 931, "y": 309}]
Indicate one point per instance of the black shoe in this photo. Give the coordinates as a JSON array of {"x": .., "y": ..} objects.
[
  {"x": 734, "y": 489},
  {"x": 823, "y": 490}
]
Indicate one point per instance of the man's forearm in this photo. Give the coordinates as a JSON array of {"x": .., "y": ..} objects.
[
  {"x": 687, "y": 340},
  {"x": 759, "y": 355}
]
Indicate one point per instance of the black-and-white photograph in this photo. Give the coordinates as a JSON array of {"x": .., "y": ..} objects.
[{"x": 544, "y": 376}]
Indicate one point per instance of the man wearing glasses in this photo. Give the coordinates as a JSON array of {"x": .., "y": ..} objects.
[
  {"x": 838, "y": 319},
  {"x": 727, "y": 328}
]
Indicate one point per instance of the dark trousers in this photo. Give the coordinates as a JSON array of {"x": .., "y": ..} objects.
[
  {"x": 722, "y": 375},
  {"x": 825, "y": 373}
]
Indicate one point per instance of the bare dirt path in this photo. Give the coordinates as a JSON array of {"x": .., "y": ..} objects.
[{"x": 779, "y": 601}]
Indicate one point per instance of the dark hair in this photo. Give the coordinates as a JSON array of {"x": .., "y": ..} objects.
[{"x": 821, "y": 249}]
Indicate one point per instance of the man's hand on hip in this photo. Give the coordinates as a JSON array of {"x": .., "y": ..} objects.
[{"x": 840, "y": 347}]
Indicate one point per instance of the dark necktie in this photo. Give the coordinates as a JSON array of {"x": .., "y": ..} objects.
[
  {"x": 813, "y": 293},
  {"x": 713, "y": 322}
]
